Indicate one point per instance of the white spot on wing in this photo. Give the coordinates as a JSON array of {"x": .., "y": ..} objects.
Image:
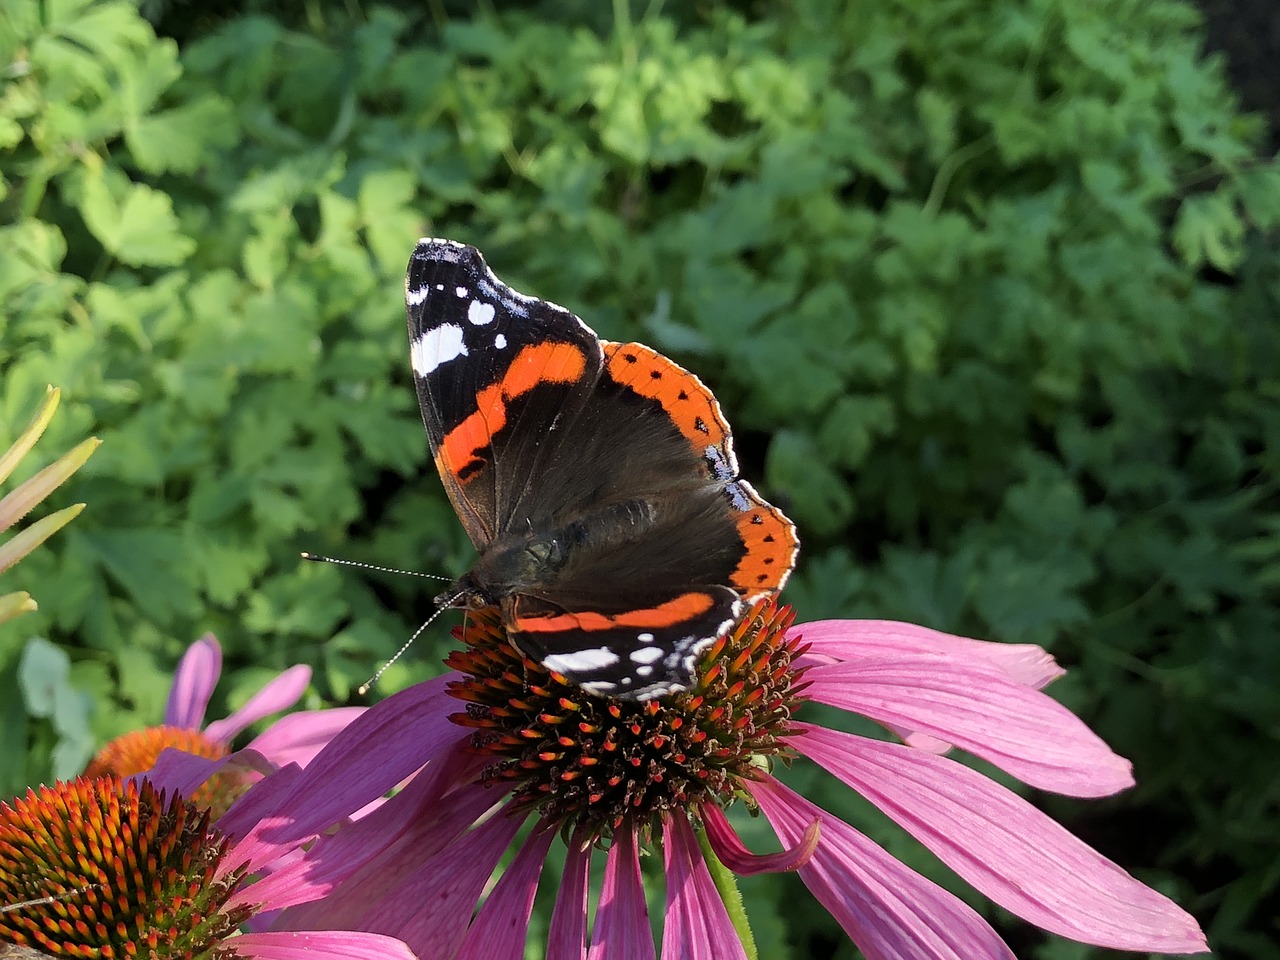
[
  {"x": 461, "y": 291},
  {"x": 644, "y": 638},
  {"x": 480, "y": 313},
  {"x": 646, "y": 654},
  {"x": 593, "y": 658},
  {"x": 500, "y": 341},
  {"x": 415, "y": 297},
  {"x": 437, "y": 346},
  {"x": 598, "y": 686}
]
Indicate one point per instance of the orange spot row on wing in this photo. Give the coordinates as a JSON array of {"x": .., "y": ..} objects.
[
  {"x": 534, "y": 364},
  {"x": 771, "y": 544},
  {"x": 689, "y": 403},
  {"x": 684, "y": 607}
]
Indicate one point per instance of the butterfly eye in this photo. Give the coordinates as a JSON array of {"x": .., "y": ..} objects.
[{"x": 546, "y": 556}]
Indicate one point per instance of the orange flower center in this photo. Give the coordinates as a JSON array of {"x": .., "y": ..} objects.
[
  {"x": 138, "y": 752},
  {"x": 580, "y": 758}
]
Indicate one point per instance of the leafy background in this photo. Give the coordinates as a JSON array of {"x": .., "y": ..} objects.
[{"x": 989, "y": 292}]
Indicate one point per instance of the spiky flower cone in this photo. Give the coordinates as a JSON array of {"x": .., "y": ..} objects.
[
  {"x": 100, "y": 868},
  {"x": 584, "y": 760}
]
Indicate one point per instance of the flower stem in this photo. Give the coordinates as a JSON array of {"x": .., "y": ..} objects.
[{"x": 727, "y": 884}]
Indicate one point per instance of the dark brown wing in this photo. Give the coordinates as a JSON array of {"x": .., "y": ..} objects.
[{"x": 496, "y": 373}]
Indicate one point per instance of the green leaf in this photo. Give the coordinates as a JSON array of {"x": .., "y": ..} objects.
[
  {"x": 938, "y": 115},
  {"x": 43, "y": 671},
  {"x": 1025, "y": 600},
  {"x": 796, "y": 468},
  {"x": 72, "y": 710},
  {"x": 385, "y": 202},
  {"x": 132, "y": 221},
  {"x": 1260, "y": 194},
  {"x": 148, "y": 566},
  {"x": 1208, "y": 229},
  {"x": 921, "y": 586},
  {"x": 142, "y": 79},
  {"x": 182, "y": 138},
  {"x": 826, "y": 585},
  {"x": 15, "y": 726}
]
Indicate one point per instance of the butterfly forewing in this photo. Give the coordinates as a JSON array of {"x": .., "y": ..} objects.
[{"x": 484, "y": 358}]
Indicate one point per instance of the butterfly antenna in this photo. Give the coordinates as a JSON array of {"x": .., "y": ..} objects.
[
  {"x": 371, "y": 566},
  {"x": 368, "y": 684},
  {"x": 52, "y": 898}
]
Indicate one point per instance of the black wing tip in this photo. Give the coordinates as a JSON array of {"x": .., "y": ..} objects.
[
  {"x": 432, "y": 253},
  {"x": 443, "y": 250},
  {"x": 433, "y": 256}
]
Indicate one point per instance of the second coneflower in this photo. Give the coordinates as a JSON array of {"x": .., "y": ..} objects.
[
  {"x": 531, "y": 749},
  {"x": 108, "y": 868},
  {"x": 294, "y": 738}
]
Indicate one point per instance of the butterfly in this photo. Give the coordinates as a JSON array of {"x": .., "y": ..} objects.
[{"x": 597, "y": 481}]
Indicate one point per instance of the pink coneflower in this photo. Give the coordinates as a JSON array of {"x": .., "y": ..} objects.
[
  {"x": 109, "y": 868},
  {"x": 532, "y": 750},
  {"x": 295, "y": 738}
]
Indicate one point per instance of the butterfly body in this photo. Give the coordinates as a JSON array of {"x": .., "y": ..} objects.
[{"x": 597, "y": 481}]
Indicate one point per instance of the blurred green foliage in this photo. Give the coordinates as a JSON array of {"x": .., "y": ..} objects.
[{"x": 989, "y": 292}]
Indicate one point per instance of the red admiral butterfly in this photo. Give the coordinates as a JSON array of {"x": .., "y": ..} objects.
[{"x": 597, "y": 481}]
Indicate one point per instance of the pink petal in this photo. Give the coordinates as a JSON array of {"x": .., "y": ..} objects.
[
  {"x": 697, "y": 924},
  {"x": 370, "y": 860},
  {"x": 977, "y": 707},
  {"x": 288, "y": 883},
  {"x": 922, "y": 741},
  {"x": 338, "y": 944},
  {"x": 622, "y": 930},
  {"x": 283, "y": 882},
  {"x": 733, "y": 853},
  {"x": 410, "y": 728},
  {"x": 859, "y": 639},
  {"x": 281, "y": 693},
  {"x": 502, "y": 925},
  {"x": 262, "y": 802},
  {"x": 432, "y": 909},
  {"x": 417, "y": 820},
  {"x": 298, "y": 737},
  {"x": 889, "y": 911},
  {"x": 1005, "y": 847},
  {"x": 193, "y": 684},
  {"x": 184, "y": 773},
  {"x": 567, "y": 938}
]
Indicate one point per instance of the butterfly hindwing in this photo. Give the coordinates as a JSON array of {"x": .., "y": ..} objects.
[
  {"x": 641, "y": 652},
  {"x": 766, "y": 533}
]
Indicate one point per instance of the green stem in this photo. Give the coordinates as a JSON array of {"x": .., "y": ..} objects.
[{"x": 727, "y": 884}]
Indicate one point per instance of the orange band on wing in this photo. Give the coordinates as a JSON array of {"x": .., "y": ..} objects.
[
  {"x": 683, "y": 396},
  {"x": 684, "y": 607},
  {"x": 534, "y": 364},
  {"x": 771, "y": 545}
]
